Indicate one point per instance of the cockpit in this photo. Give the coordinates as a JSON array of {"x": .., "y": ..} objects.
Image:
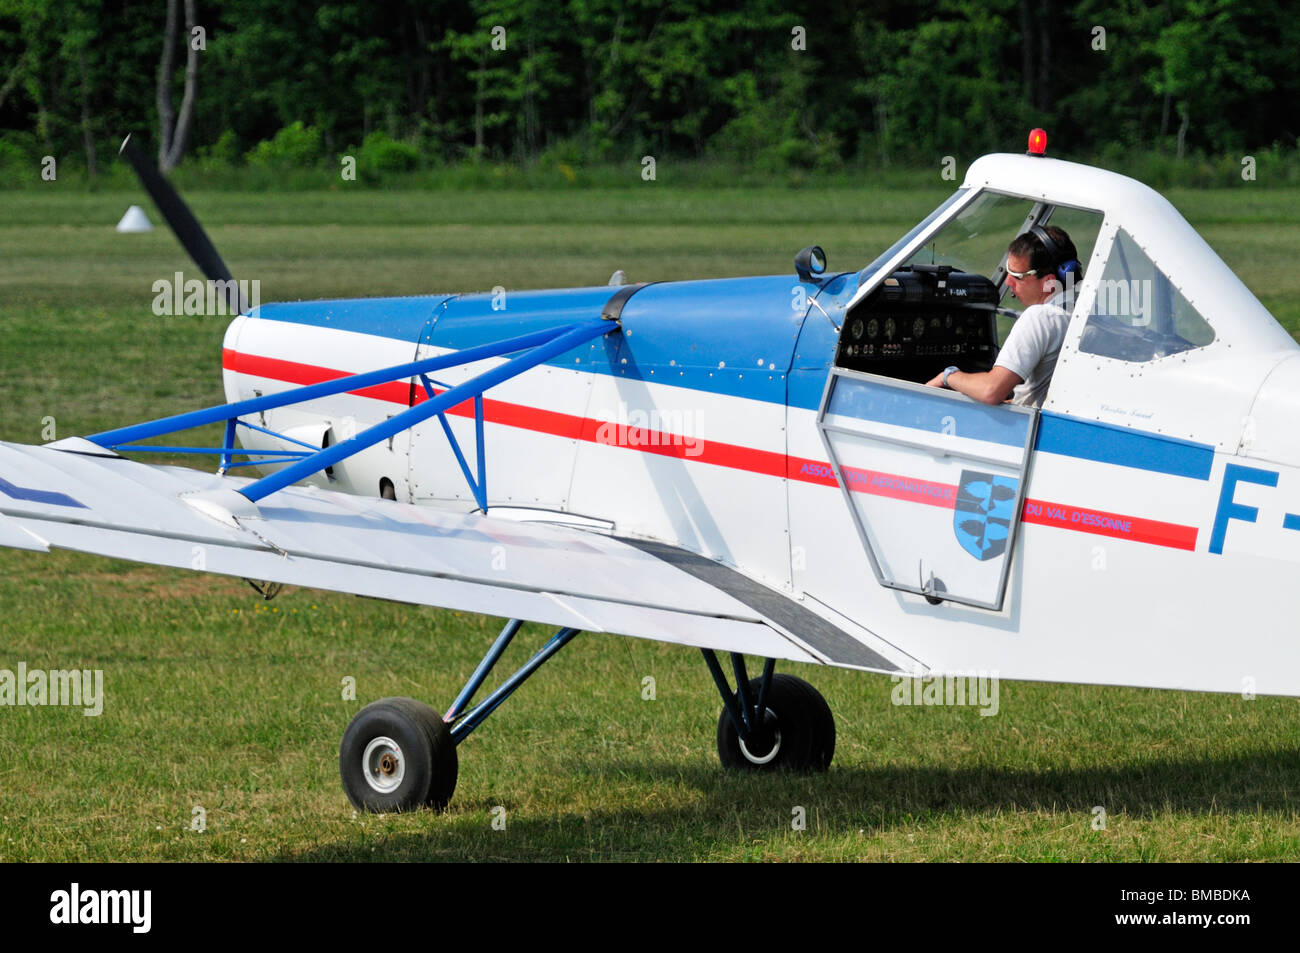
[
  {"x": 948, "y": 303},
  {"x": 1164, "y": 342}
]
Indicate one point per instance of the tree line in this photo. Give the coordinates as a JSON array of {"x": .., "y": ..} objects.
[{"x": 429, "y": 81}]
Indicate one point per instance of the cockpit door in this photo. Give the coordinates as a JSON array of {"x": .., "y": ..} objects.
[{"x": 935, "y": 482}]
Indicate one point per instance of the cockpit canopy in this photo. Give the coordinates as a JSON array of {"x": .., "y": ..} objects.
[{"x": 1163, "y": 334}]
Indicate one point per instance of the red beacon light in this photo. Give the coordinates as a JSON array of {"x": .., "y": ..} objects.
[{"x": 1037, "y": 143}]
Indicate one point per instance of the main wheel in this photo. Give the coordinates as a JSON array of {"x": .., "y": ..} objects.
[
  {"x": 398, "y": 755},
  {"x": 797, "y": 733}
]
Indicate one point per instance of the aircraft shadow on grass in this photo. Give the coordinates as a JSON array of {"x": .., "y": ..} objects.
[{"x": 843, "y": 801}]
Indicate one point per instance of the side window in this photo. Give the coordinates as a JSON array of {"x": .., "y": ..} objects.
[{"x": 1138, "y": 314}]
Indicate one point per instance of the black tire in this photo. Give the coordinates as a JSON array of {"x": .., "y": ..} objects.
[
  {"x": 799, "y": 730},
  {"x": 398, "y": 755}
]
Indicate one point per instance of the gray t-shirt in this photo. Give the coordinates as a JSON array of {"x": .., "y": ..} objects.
[{"x": 1031, "y": 349}]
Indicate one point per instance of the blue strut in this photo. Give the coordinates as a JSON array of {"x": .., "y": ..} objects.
[
  {"x": 463, "y": 723},
  {"x": 539, "y": 347}
]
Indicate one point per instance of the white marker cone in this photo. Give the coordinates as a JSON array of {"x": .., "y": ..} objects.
[{"x": 135, "y": 221}]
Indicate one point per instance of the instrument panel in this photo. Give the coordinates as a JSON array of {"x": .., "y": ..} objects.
[{"x": 919, "y": 321}]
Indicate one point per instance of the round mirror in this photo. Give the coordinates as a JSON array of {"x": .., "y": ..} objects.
[{"x": 810, "y": 262}]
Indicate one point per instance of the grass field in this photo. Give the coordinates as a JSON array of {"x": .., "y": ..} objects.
[{"x": 217, "y": 700}]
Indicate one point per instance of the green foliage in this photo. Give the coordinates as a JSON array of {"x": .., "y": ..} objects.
[
  {"x": 965, "y": 107},
  {"x": 1275, "y": 167},
  {"x": 14, "y": 164},
  {"x": 293, "y": 147},
  {"x": 225, "y": 151},
  {"x": 608, "y": 81},
  {"x": 381, "y": 153},
  {"x": 19, "y": 157},
  {"x": 1209, "y": 68},
  {"x": 773, "y": 128}
]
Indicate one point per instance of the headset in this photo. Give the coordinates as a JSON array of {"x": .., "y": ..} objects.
[{"x": 1062, "y": 268}]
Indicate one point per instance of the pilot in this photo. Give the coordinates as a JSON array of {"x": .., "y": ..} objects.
[{"x": 1042, "y": 269}]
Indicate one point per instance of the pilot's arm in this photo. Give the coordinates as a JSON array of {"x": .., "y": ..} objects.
[{"x": 988, "y": 387}]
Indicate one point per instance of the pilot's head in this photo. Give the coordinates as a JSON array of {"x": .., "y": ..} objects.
[{"x": 1037, "y": 269}]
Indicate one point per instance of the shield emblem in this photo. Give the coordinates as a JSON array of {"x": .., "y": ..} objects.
[{"x": 983, "y": 512}]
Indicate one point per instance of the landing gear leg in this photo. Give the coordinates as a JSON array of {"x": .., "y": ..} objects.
[
  {"x": 399, "y": 754},
  {"x": 773, "y": 722}
]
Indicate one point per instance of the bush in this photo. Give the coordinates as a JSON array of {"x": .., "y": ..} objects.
[
  {"x": 294, "y": 147},
  {"x": 380, "y": 152},
  {"x": 223, "y": 152},
  {"x": 13, "y": 161},
  {"x": 19, "y": 157}
]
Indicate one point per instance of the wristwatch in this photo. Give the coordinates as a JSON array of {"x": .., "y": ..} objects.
[{"x": 947, "y": 371}]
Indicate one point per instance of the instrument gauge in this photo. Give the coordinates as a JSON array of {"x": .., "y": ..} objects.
[
  {"x": 918, "y": 328},
  {"x": 891, "y": 329},
  {"x": 873, "y": 328},
  {"x": 855, "y": 329}
]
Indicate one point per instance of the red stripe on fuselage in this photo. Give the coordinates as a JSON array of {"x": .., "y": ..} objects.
[
  {"x": 569, "y": 426},
  {"x": 291, "y": 372},
  {"x": 1101, "y": 523},
  {"x": 1079, "y": 519},
  {"x": 765, "y": 462}
]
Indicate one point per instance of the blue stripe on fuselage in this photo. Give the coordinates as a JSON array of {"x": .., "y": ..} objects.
[
  {"x": 731, "y": 336},
  {"x": 1106, "y": 443}
]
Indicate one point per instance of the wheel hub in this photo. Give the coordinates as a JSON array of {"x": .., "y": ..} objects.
[
  {"x": 383, "y": 765},
  {"x": 766, "y": 740}
]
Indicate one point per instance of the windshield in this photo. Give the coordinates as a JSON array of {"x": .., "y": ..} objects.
[
  {"x": 977, "y": 238},
  {"x": 865, "y": 274}
]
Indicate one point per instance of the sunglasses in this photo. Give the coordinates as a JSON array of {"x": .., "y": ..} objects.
[{"x": 1022, "y": 275}]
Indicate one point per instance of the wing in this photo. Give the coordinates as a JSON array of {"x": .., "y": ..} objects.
[{"x": 76, "y": 495}]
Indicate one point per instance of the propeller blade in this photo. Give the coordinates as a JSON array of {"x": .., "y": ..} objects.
[{"x": 183, "y": 224}]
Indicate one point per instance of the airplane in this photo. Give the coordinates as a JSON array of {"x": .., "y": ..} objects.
[{"x": 751, "y": 467}]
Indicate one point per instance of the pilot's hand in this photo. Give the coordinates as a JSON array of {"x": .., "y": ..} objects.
[{"x": 936, "y": 381}]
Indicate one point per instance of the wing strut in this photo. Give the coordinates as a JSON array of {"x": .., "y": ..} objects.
[
  {"x": 461, "y": 721},
  {"x": 537, "y": 347}
]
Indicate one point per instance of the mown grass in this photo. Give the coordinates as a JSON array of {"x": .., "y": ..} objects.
[{"x": 218, "y": 700}]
